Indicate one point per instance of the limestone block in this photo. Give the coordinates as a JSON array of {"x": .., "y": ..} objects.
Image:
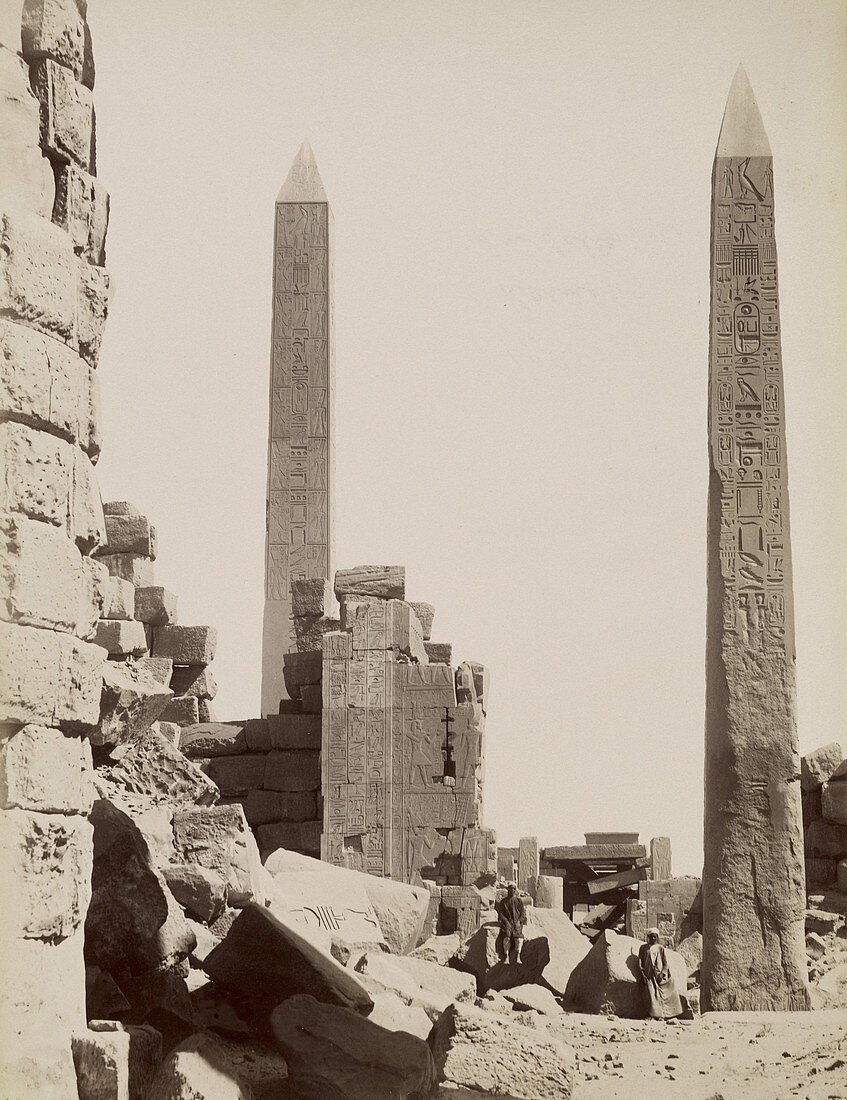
[
  {"x": 425, "y": 613},
  {"x": 170, "y": 731},
  {"x": 309, "y": 631},
  {"x": 48, "y": 858},
  {"x": 393, "y": 1014},
  {"x": 825, "y": 840},
  {"x": 535, "y": 997},
  {"x": 485, "y": 1052},
  {"x": 660, "y": 858},
  {"x": 549, "y": 892},
  {"x": 416, "y": 981},
  {"x": 38, "y": 275},
  {"x": 130, "y": 534},
  {"x": 194, "y": 680},
  {"x": 121, "y": 637},
  {"x": 267, "y": 807},
  {"x": 154, "y": 768},
  {"x": 236, "y": 775},
  {"x": 284, "y": 731},
  {"x": 119, "y": 600},
  {"x": 45, "y": 384},
  {"x": 295, "y": 836},
  {"x": 45, "y": 581},
  {"x": 186, "y": 645},
  {"x": 54, "y": 29},
  {"x": 313, "y": 597},
  {"x": 27, "y": 181},
  {"x": 94, "y": 293},
  {"x": 200, "y": 891},
  {"x": 311, "y": 698},
  {"x": 82, "y": 210},
  {"x": 325, "y": 910},
  {"x": 437, "y": 949},
  {"x": 67, "y": 113},
  {"x": 131, "y": 701},
  {"x": 292, "y": 770},
  {"x": 439, "y": 653},
  {"x": 120, "y": 508},
  {"x": 205, "y": 711},
  {"x": 834, "y": 802},
  {"x": 115, "y": 1061},
  {"x": 817, "y": 767},
  {"x": 43, "y": 770},
  {"x": 268, "y": 959},
  {"x": 385, "y": 581},
  {"x": 219, "y": 838},
  {"x": 608, "y": 976},
  {"x": 301, "y": 668},
  {"x": 170, "y": 945},
  {"x": 472, "y": 683},
  {"x": 160, "y": 668},
  {"x": 199, "y": 1067},
  {"x": 48, "y": 677},
  {"x": 212, "y": 739},
  {"x": 130, "y": 567},
  {"x": 183, "y": 710}
]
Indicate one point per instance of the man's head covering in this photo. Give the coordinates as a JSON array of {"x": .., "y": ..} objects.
[
  {"x": 652, "y": 931},
  {"x": 511, "y": 886}
]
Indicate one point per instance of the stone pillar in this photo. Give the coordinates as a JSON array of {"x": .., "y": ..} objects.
[
  {"x": 549, "y": 892},
  {"x": 54, "y": 295},
  {"x": 753, "y": 881},
  {"x": 527, "y": 862},
  {"x": 299, "y": 507},
  {"x": 660, "y": 858}
]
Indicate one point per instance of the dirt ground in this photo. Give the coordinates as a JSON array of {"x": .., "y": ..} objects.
[{"x": 719, "y": 1056}]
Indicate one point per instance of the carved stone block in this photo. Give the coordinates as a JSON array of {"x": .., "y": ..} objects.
[
  {"x": 425, "y": 613},
  {"x": 386, "y": 581}
]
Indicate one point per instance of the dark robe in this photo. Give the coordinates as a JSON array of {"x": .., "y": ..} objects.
[{"x": 663, "y": 1001}]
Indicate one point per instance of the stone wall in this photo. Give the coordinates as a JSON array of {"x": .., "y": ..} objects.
[
  {"x": 823, "y": 781},
  {"x": 54, "y": 297}
]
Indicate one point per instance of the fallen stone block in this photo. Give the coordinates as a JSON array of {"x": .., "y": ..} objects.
[
  {"x": 299, "y": 669},
  {"x": 170, "y": 945},
  {"x": 194, "y": 680},
  {"x": 313, "y": 597},
  {"x": 183, "y": 710},
  {"x": 154, "y": 605},
  {"x": 130, "y": 567},
  {"x": 54, "y": 29},
  {"x": 400, "y": 909},
  {"x": 266, "y": 960},
  {"x": 388, "y": 582},
  {"x": 821, "y": 922},
  {"x": 121, "y": 637},
  {"x": 219, "y": 838},
  {"x": 154, "y": 768},
  {"x": 292, "y": 770},
  {"x": 535, "y": 997},
  {"x": 437, "y": 949},
  {"x": 331, "y": 1051},
  {"x": 82, "y": 210},
  {"x": 119, "y": 600},
  {"x": 201, "y": 892},
  {"x": 67, "y": 114},
  {"x": 44, "y": 771},
  {"x": 817, "y": 768},
  {"x": 237, "y": 775},
  {"x": 491, "y": 1054},
  {"x": 114, "y": 1061},
  {"x": 416, "y": 981},
  {"x": 269, "y": 807},
  {"x": 834, "y": 802},
  {"x": 199, "y": 1068},
  {"x": 212, "y": 739},
  {"x": 27, "y": 181},
  {"x": 131, "y": 701},
  {"x": 49, "y": 678},
  {"x": 549, "y": 892},
  {"x": 130, "y": 534},
  {"x": 297, "y": 836},
  {"x": 394, "y": 1014},
  {"x": 607, "y": 979},
  {"x": 186, "y": 645},
  {"x": 691, "y": 949},
  {"x": 425, "y": 613},
  {"x": 815, "y": 946},
  {"x": 826, "y": 840}
]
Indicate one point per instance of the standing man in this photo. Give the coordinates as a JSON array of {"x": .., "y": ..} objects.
[
  {"x": 663, "y": 1001},
  {"x": 511, "y": 914}
]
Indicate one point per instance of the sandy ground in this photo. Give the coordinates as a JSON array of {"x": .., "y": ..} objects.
[{"x": 719, "y": 1056}]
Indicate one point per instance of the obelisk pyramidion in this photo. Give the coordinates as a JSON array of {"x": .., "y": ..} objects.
[
  {"x": 299, "y": 507},
  {"x": 753, "y": 879}
]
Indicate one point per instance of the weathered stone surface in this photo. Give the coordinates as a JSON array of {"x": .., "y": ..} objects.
[
  {"x": 194, "y": 680},
  {"x": 171, "y": 943},
  {"x": 38, "y": 276},
  {"x": 160, "y": 668},
  {"x": 120, "y": 508},
  {"x": 154, "y": 768},
  {"x": 154, "y": 605},
  {"x": 385, "y": 581},
  {"x": 425, "y": 613},
  {"x": 131, "y": 701},
  {"x": 691, "y": 949},
  {"x": 825, "y": 840},
  {"x": 834, "y": 802},
  {"x": 311, "y": 698},
  {"x": 400, "y": 909},
  {"x": 44, "y": 771},
  {"x": 67, "y": 115},
  {"x": 219, "y": 838},
  {"x": 536, "y": 997},
  {"x": 818, "y": 767},
  {"x": 82, "y": 210},
  {"x": 121, "y": 637},
  {"x": 54, "y": 29},
  {"x": 186, "y": 645},
  {"x": 131, "y": 567},
  {"x": 48, "y": 677},
  {"x": 212, "y": 739},
  {"x": 236, "y": 775},
  {"x": 299, "y": 836},
  {"x": 549, "y": 892},
  {"x": 324, "y": 909},
  {"x": 332, "y": 1051},
  {"x": 489, "y": 1053},
  {"x": 753, "y": 888},
  {"x": 266, "y": 807},
  {"x": 48, "y": 858},
  {"x": 299, "y": 669},
  {"x": 394, "y": 1014},
  {"x": 607, "y": 978},
  {"x": 114, "y": 1061},
  {"x": 119, "y": 602},
  {"x": 292, "y": 770},
  {"x": 284, "y": 731},
  {"x": 130, "y": 534},
  {"x": 205, "y": 711},
  {"x": 416, "y": 981},
  {"x": 27, "y": 181},
  {"x": 566, "y": 945},
  {"x": 94, "y": 293},
  {"x": 439, "y": 653},
  {"x": 313, "y": 597},
  {"x": 309, "y": 631},
  {"x": 184, "y": 710},
  {"x": 267, "y": 960},
  {"x": 438, "y": 949},
  {"x": 820, "y": 873},
  {"x": 527, "y": 862},
  {"x": 199, "y": 1069},
  {"x": 197, "y": 889}
]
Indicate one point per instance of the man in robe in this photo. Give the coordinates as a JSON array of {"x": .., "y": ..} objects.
[
  {"x": 663, "y": 1001},
  {"x": 511, "y": 914}
]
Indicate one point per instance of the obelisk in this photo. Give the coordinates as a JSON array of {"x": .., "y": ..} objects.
[
  {"x": 753, "y": 879},
  {"x": 299, "y": 505}
]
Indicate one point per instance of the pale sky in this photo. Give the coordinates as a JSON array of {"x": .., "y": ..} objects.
[{"x": 521, "y": 197}]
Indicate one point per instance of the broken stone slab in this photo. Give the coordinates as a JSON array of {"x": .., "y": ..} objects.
[
  {"x": 834, "y": 802},
  {"x": 821, "y": 922},
  {"x": 299, "y": 669},
  {"x": 153, "y": 768},
  {"x": 27, "y": 182},
  {"x": 114, "y": 1061},
  {"x": 131, "y": 534},
  {"x": 270, "y": 807},
  {"x": 194, "y": 680},
  {"x": 82, "y": 210},
  {"x": 488, "y": 1053},
  {"x": 201, "y": 892},
  {"x": 183, "y": 710},
  {"x": 131, "y": 700},
  {"x": 817, "y": 768},
  {"x": 292, "y": 770},
  {"x": 154, "y": 605},
  {"x": 237, "y": 775},
  {"x": 119, "y": 600},
  {"x": 607, "y": 979},
  {"x": 331, "y": 1051},
  {"x": 67, "y": 113},
  {"x": 44, "y": 771},
  {"x": 49, "y": 678},
  {"x": 199, "y": 1068},
  {"x": 416, "y": 981},
  {"x": 299, "y": 836},
  {"x": 388, "y": 582},
  {"x": 121, "y": 638},
  {"x": 394, "y": 1014},
  {"x": 437, "y": 949},
  {"x": 219, "y": 838},
  {"x": 266, "y": 960},
  {"x": 54, "y": 29},
  {"x": 186, "y": 645},
  {"x": 400, "y": 909},
  {"x": 212, "y": 739},
  {"x": 130, "y": 567},
  {"x": 425, "y": 613},
  {"x": 815, "y": 945},
  {"x": 536, "y": 997}
]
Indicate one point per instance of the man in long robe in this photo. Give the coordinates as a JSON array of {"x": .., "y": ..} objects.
[
  {"x": 662, "y": 997},
  {"x": 511, "y": 913}
]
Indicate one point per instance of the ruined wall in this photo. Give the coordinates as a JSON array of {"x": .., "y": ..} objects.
[
  {"x": 823, "y": 779},
  {"x": 54, "y": 295}
]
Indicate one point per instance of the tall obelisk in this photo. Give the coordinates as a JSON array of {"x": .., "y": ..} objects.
[
  {"x": 753, "y": 880},
  {"x": 299, "y": 506}
]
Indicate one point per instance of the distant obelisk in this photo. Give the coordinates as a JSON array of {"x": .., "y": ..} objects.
[
  {"x": 299, "y": 506},
  {"x": 753, "y": 879}
]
